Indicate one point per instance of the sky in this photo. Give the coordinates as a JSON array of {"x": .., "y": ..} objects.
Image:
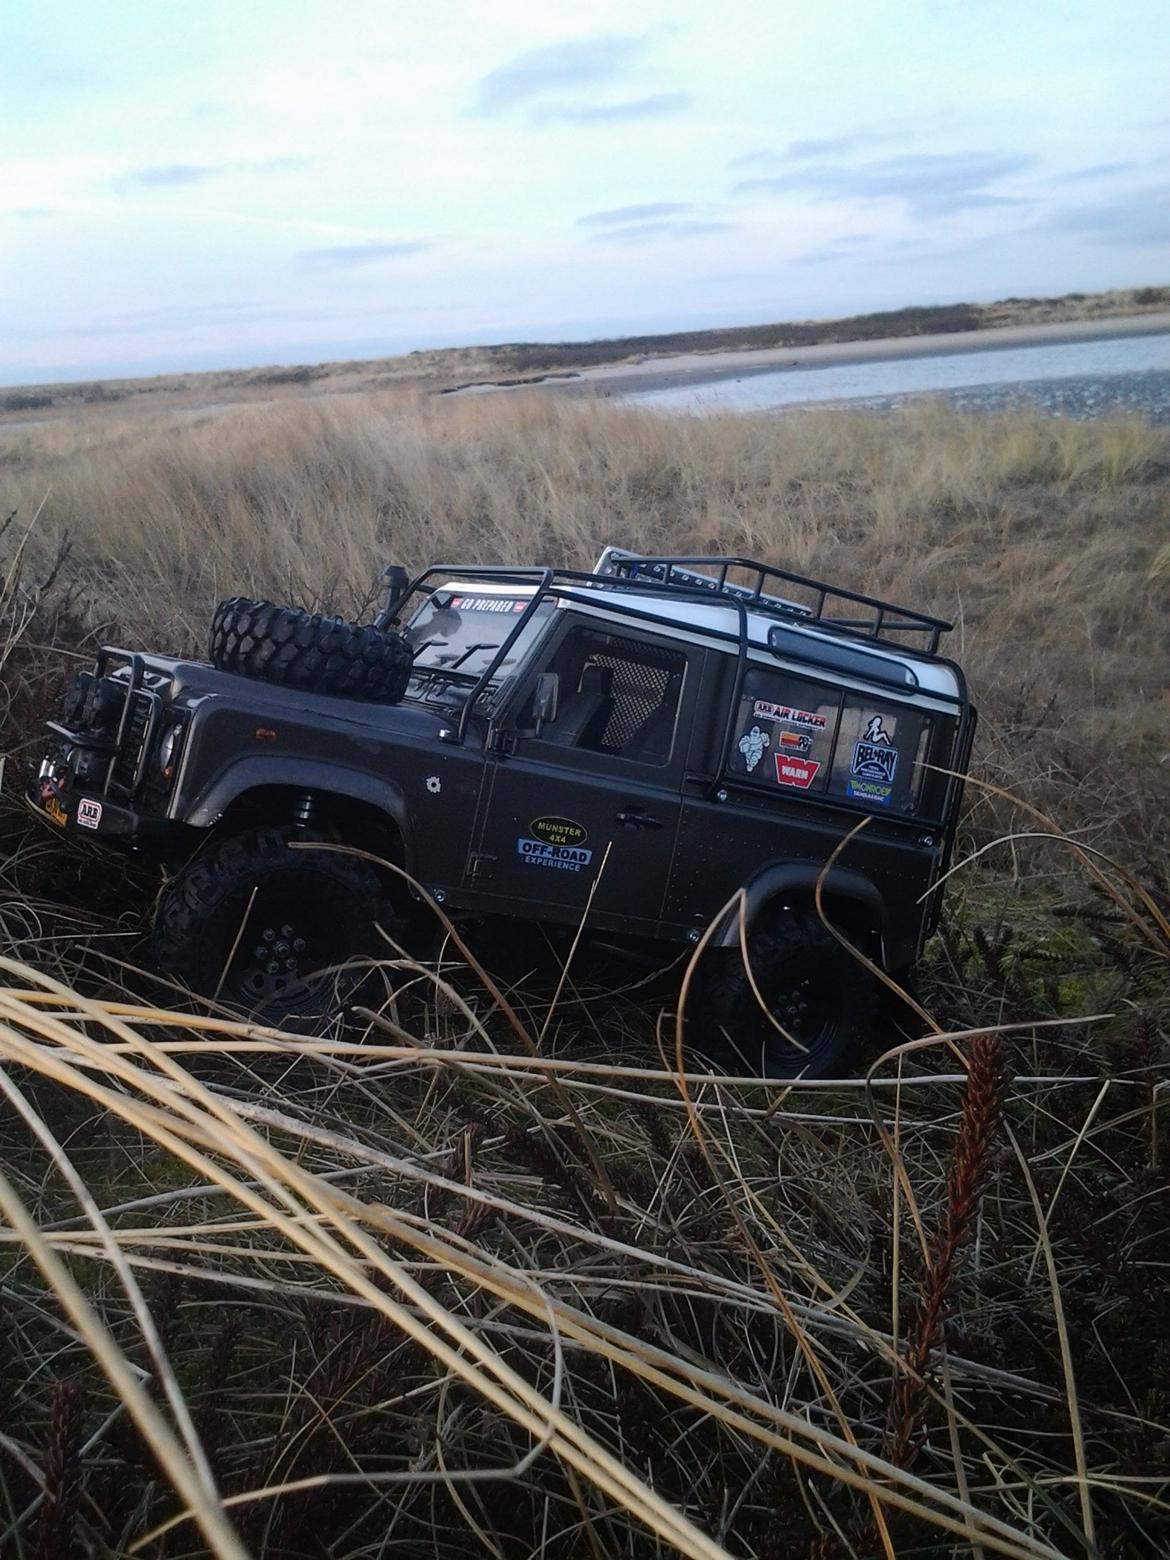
[{"x": 238, "y": 182}]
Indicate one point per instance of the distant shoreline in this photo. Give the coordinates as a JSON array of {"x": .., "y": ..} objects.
[
  {"x": 620, "y": 366},
  {"x": 682, "y": 370}
]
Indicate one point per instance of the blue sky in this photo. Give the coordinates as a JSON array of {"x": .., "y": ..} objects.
[{"x": 226, "y": 184}]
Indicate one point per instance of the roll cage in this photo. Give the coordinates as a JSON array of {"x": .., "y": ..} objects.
[{"x": 674, "y": 580}]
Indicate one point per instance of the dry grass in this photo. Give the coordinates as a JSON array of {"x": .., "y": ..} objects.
[
  {"x": 367, "y": 1296},
  {"x": 1046, "y": 541}
]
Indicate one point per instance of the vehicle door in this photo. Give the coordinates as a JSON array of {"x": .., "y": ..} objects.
[{"x": 590, "y": 804}]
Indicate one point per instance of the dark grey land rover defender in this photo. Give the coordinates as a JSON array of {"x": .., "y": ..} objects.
[{"x": 653, "y": 746}]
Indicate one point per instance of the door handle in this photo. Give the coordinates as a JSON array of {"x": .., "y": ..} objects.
[{"x": 635, "y": 818}]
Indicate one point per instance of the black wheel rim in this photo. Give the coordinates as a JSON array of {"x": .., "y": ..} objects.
[
  {"x": 285, "y": 959},
  {"x": 809, "y": 1010}
]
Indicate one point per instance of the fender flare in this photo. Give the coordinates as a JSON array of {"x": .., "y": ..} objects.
[
  {"x": 251, "y": 774},
  {"x": 801, "y": 878}
]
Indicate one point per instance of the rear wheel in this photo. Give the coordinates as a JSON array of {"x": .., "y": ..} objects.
[
  {"x": 820, "y": 1004},
  {"x": 267, "y": 929}
]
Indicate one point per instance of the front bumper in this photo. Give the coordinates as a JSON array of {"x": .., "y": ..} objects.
[{"x": 90, "y": 814}]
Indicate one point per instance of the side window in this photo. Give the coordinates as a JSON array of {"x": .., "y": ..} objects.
[
  {"x": 879, "y": 755},
  {"x": 616, "y": 696},
  {"x": 802, "y": 736},
  {"x": 785, "y": 731}
]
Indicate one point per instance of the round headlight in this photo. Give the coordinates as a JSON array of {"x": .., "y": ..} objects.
[{"x": 167, "y": 748}]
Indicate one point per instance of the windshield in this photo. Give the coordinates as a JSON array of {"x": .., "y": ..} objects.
[{"x": 458, "y": 632}]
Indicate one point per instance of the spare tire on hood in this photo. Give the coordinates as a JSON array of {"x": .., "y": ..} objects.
[{"x": 304, "y": 650}]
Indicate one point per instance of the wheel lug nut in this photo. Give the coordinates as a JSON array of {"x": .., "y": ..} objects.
[
  {"x": 290, "y": 964},
  {"x": 272, "y": 966},
  {"x": 269, "y": 934},
  {"x": 286, "y": 931},
  {"x": 299, "y": 945}
]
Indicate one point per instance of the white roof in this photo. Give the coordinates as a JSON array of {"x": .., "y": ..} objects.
[{"x": 687, "y": 617}]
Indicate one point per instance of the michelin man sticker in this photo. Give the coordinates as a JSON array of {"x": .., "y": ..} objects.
[{"x": 752, "y": 745}]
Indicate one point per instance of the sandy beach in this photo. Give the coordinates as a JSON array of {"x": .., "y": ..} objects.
[{"x": 682, "y": 369}]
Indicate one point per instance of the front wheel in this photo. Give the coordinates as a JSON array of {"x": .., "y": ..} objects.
[
  {"x": 820, "y": 1005},
  {"x": 269, "y": 930}
]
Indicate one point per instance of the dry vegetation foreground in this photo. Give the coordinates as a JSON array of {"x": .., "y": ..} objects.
[{"x": 412, "y": 1290}]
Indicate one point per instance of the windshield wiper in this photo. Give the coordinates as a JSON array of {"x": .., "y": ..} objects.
[{"x": 471, "y": 650}]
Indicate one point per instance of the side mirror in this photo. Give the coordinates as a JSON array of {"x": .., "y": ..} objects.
[
  {"x": 542, "y": 707},
  {"x": 397, "y": 584}
]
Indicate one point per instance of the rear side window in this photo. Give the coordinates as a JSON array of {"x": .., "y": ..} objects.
[
  {"x": 785, "y": 733},
  {"x": 799, "y": 736},
  {"x": 880, "y": 753}
]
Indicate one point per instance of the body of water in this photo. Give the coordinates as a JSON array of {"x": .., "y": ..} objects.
[{"x": 1074, "y": 379}]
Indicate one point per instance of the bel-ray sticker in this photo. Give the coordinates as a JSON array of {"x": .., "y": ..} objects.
[
  {"x": 875, "y": 757},
  {"x": 752, "y": 745}
]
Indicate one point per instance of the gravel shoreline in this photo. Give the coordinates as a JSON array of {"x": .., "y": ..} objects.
[{"x": 1145, "y": 395}]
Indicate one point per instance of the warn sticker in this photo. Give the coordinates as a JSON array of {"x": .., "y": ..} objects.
[{"x": 799, "y": 772}]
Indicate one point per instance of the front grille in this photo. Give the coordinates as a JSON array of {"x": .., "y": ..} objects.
[{"x": 128, "y": 764}]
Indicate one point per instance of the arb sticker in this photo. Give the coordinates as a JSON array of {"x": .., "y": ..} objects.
[
  {"x": 800, "y": 772},
  {"x": 762, "y": 710},
  {"x": 89, "y": 814}
]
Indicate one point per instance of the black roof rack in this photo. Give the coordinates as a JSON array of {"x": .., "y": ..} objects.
[{"x": 884, "y": 621}]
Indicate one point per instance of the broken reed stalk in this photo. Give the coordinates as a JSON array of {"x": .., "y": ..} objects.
[
  {"x": 62, "y": 1474},
  {"x": 981, "y": 1111}
]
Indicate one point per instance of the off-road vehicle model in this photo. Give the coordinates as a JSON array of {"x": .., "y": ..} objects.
[{"x": 631, "y": 747}]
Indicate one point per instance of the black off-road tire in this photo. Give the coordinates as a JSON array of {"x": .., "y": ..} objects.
[
  {"x": 813, "y": 986},
  {"x": 307, "y": 651},
  {"x": 261, "y": 927}
]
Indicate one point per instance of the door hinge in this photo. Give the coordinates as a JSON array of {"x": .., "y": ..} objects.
[
  {"x": 481, "y": 866},
  {"x": 502, "y": 743}
]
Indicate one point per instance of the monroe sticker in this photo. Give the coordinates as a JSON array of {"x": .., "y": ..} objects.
[
  {"x": 562, "y": 858},
  {"x": 872, "y": 791},
  {"x": 798, "y": 772},
  {"x": 558, "y": 831},
  {"x": 752, "y": 745},
  {"x": 762, "y": 710},
  {"x": 874, "y": 757}
]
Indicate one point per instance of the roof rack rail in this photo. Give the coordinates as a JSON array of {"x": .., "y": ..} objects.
[{"x": 886, "y": 621}]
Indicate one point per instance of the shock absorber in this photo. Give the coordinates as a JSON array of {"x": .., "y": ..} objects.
[{"x": 304, "y": 810}]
